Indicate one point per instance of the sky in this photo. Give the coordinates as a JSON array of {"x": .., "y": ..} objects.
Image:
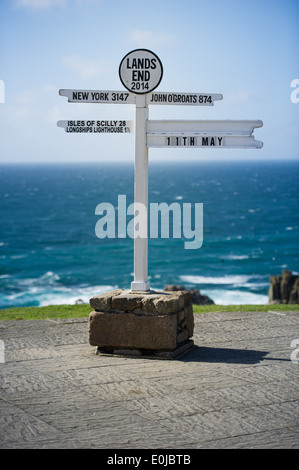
[{"x": 246, "y": 50}]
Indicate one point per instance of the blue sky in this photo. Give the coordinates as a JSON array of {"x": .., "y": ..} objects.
[{"x": 246, "y": 50}]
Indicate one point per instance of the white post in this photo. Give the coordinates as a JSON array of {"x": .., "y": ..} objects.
[{"x": 141, "y": 282}]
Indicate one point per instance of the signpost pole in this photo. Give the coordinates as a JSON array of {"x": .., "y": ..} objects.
[{"x": 141, "y": 282}]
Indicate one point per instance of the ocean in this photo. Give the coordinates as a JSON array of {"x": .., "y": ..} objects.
[{"x": 50, "y": 254}]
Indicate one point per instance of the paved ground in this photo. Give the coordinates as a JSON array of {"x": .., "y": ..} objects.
[{"x": 237, "y": 389}]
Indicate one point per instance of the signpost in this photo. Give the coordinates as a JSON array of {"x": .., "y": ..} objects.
[
  {"x": 190, "y": 99},
  {"x": 125, "y": 97},
  {"x": 209, "y": 141},
  {"x": 210, "y": 134},
  {"x": 141, "y": 72},
  {"x": 98, "y": 96},
  {"x": 98, "y": 126},
  {"x": 203, "y": 127}
]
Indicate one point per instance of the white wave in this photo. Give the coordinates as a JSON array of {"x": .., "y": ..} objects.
[
  {"x": 49, "y": 278},
  {"x": 235, "y": 257},
  {"x": 235, "y": 297},
  {"x": 44, "y": 296},
  {"x": 229, "y": 279},
  {"x": 255, "y": 285},
  {"x": 60, "y": 297},
  {"x": 47, "y": 290}
]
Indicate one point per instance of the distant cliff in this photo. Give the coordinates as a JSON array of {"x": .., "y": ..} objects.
[{"x": 284, "y": 288}]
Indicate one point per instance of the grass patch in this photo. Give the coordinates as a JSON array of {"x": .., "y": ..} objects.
[
  {"x": 245, "y": 308},
  {"x": 83, "y": 310},
  {"x": 43, "y": 313}
]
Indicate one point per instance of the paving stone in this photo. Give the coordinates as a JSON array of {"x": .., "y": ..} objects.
[
  {"x": 237, "y": 389},
  {"x": 18, "y": 428},
  {"x": 275, "y": 439}
]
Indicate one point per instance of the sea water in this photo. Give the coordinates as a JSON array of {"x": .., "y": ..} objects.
[{"x": 50, "y": 254}]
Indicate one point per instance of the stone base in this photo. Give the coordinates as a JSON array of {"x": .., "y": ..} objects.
[
  {"x": 153, "y": 324},
  {"x": 177, "y": 353}
]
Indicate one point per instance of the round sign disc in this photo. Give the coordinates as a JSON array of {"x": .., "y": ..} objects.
[{"x": 141, "y": 71}]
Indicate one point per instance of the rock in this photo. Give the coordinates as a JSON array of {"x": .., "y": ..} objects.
[
  {"x": 199, "y": 299},
  {"x": 127, "y": 330},
  {"x": 286, "y": 285},
  {"x": 174, "y": 287},
  {"x": 195, "y": 295},
  {"x": 274, "y": 290},
  {"x": 284, "y": 288},
  {"x": 170, "y": 303},
  {"x": 146, "y": 322},
  {"x": 127, "y": 302},
  {"x": 294, "y": 295},
  {"x": 102, "y": 302}
]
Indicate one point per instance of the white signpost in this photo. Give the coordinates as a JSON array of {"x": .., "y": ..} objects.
[
  {"x": 190, "y": 99},
  {"x": 125, "y": 97},
  {"x": 210, "y": 134},
  {"x": 99, "y": 126},
  {"x": 98, "y": 96},
  {"x": 141, "y": 72}
]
